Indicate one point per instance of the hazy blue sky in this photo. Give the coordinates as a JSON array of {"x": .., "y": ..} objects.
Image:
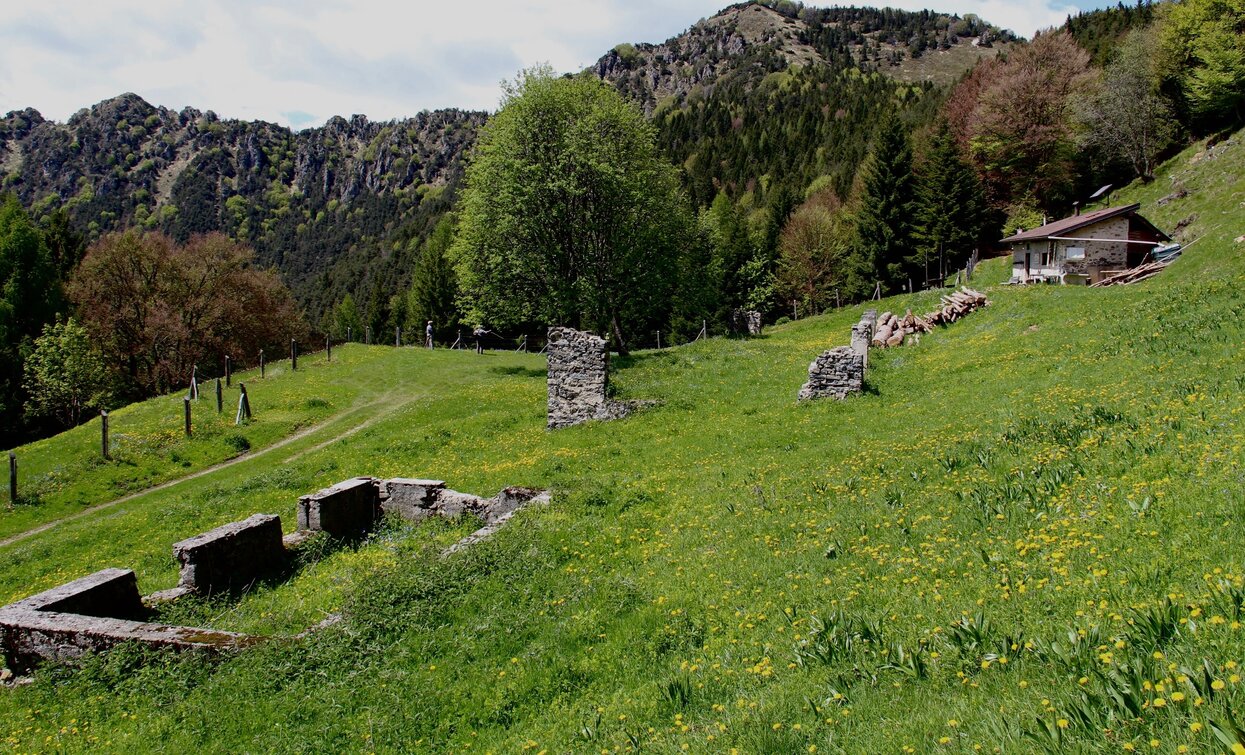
[{"x": 298, "y": 63}]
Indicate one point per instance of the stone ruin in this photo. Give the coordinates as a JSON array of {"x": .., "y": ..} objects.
[
  {"x": 840, "y": 372},
  {"x": 746, "y": 321},
  {"x": 578, "y": 379},
  {"x": 105, "y": 609},
  {"x": 837, "y": 373}
]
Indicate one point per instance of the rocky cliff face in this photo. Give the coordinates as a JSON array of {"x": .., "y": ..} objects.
[
  {"x": 737, "y": 42},
  {"x": 124, "y": 162}
]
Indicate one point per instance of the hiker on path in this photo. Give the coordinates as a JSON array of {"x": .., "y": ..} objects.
[
  {"x": 479, "y": 333},
  {"x": 428, "y": 335}
]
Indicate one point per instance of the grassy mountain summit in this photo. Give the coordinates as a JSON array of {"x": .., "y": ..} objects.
[{"x": 1024, "y": 535}]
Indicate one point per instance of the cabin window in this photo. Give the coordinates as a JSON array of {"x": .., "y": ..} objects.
[
  {"x": 1076, "y": 252},
  {"x": 1048, "y": 258}
]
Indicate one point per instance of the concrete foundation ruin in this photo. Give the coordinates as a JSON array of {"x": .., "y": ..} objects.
[
  {"x": 104, "y": 609},
  {"x": 91, "y": 615},
  {"x": 347, "y": 509},
  {"x": 579, "y": 379}
]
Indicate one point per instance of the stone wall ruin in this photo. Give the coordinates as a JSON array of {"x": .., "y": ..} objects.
[
  {"x": 579, "y": 379},
  {"x": 836, "y": 373},
  {"x": 840, "y": 372}
]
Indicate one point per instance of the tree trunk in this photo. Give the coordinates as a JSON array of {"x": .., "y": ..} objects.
[{"x": 618, "y": 336}]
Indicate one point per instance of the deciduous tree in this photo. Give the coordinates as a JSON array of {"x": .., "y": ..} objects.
[
  {"x": 815, "y": 254},
  {"x": 1124, "y": 114},
  {"x": 569, "y": 216},
  {"x": 1203, "y": 45},
  {"x": 157, "y": 308},
  {"x": 1023, "y": 133},
  {"x": 65, "y": 374}
]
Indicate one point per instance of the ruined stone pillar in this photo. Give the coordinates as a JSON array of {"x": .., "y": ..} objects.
[
  {"x": 837, "y": 373},
  {"x": 578, "y": 379}
]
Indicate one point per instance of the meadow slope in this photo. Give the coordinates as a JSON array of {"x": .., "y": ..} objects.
[{"x": 1026, "y": 535}]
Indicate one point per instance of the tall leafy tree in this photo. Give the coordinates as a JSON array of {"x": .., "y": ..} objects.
[
  {"x": 949, "y": 206},
  {"x": 434, "y": 285},
  {"x": 1023, "y": 128},
  {"x": 345, "y": 321},
  {"x": 1125, "y": 114},
  {"x": 30, "y": 297},
  {"x": 1203, "y": 44},
  {"x": 65, "y": 374},
  {"x": 815, "y": 254},
  {"x": 884, "y": 227},
  {"x": 569, "y": 216},
  {"x": 158, "y": 308}
]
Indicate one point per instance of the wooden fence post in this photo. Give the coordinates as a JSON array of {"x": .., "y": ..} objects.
[
  {"x": 186, "y": 403},
  {"x": 220, "y": 399},
  {"x": 328, "y": 347},
  {"x": 228, "y": 371},
  {"x": 103, "y": 431},
  {"x": 293, "y": 355},
  {"x": 12, "y": 479},
  {"x": 367, "y": 335},
  {"x": 397, "y": 336},
  {"x": 261, "y": 363}
]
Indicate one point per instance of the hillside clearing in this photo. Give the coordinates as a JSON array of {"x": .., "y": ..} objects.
[{"x": 1025, "y": 534}]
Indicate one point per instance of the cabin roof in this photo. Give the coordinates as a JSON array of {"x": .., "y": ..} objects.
[{"x": 1075, "y": 222}]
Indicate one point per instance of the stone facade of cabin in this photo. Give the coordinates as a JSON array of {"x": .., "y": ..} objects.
[{"x": 1118, "y": 241}]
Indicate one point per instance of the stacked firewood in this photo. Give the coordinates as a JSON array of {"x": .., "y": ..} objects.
[{"x": 893, "y": 330}]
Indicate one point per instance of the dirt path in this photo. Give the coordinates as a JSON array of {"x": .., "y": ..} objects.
[{"x": 383, "y": 405}]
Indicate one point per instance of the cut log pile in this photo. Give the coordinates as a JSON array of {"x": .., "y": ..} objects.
[
  {"x": 1139, "y": 273},
  {"x": 893, "y": 330}
]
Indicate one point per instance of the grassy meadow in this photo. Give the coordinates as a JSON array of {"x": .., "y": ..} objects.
[{"x": 1027, "y": 535}]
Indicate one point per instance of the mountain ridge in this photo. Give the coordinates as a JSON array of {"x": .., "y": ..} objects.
[{"x": 342, "y": 207}]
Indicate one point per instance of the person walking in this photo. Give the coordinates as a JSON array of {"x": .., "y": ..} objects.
[
  {"x": 428, "y": 335},
  {"x": 479, "y": 333}
]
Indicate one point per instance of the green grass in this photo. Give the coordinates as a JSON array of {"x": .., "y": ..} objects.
[
  {"x": 1024, "y": 534},
  {"x": 67, "y": 473}
]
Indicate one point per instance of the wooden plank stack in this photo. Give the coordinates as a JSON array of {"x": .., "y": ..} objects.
[
  {"x": 894, "y": 330},
  {"x": 1139, "y": 273}
]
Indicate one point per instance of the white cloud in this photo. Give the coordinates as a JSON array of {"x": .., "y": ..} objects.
[{"x": 299, "y": 63}]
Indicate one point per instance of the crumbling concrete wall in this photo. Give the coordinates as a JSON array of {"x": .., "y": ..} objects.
[
  {"x": 232, "y": 555},
  {"x": 414, "y": 500},
  {"x": 347, "y": 509},
  {"x": 837, "y": 373},
  {"x": 578, "y": 379},
  {"x": 411, "y": 499},
  {"x": 90, "y": 615}
]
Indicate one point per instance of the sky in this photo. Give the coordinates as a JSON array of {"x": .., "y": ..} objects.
[{"x": 300, "y": 62}]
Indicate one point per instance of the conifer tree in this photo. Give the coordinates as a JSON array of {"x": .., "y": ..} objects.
[
  {"x": 949, "y": 207},
  {"x": 885, "y": 232},
  {"x": 434, "y": 286}
]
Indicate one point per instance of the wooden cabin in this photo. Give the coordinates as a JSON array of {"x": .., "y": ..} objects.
[{"x": 1084, "y": 248}]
